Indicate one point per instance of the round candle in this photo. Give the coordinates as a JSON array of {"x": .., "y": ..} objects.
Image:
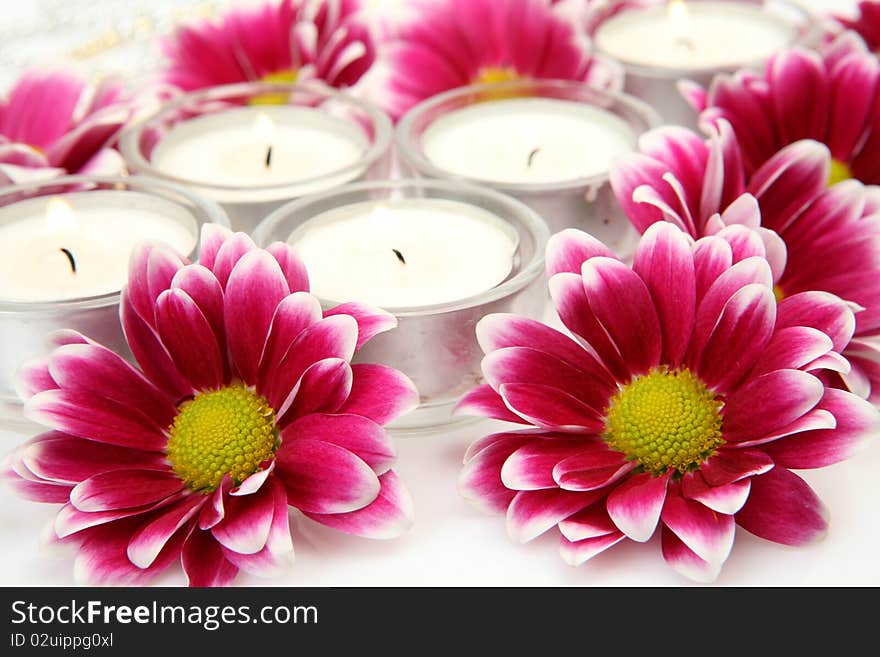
[
  {"x": 527, "y": 140},
  {"x": 77, "y": 245},
  {"x": 257, "y": 147},
  {"x": 403, "y": 253},
  {"x": 694, "y": 36}
]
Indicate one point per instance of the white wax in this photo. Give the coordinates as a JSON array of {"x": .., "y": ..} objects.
[
  {"x": 98, "y": 228},
  {"x": 492, "y": 141},
  {"x": 694, "y": 36},
  {"x": 229, "y": 148},
  {"x": 452, "y": 251}
]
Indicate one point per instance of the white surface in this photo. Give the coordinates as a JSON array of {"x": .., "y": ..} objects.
[
  {"x": 527, "y": 140},
  {"x": 694, "y": 36},
  {"x": 90, "y": 226},
  {"x": 452, "y": 250},
  {"x": 454, "y": 544}
]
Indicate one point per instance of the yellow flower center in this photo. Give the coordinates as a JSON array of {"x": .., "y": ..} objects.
[
  {"x": 665, "y": 420},
  {"x": 492, "y": 74},
  {"x": 287, "y": 76},
  {"x": 840, "y": 171},
  {"x": 778, "y": 293},
  {"x": 227, "y": 431}
]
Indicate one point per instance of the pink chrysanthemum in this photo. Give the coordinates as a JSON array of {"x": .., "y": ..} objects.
[
  {"x": 830, "y": 237},
  {"x": 803, "y": 94},
  {"x": 452, "y": 43},
  {"x": 866, "y": 23},
  {"x": 246, "y": 403},
  {"x": 279, "y": 41},
  {"x": 52, "y": 123},
  {"x": 683, "y": 400}
]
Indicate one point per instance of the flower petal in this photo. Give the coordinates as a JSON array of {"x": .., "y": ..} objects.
[
  {"x": 388, "y": 516},
  {"x": 190, "y": 341},
  {"x": 730, "y": 465},
  {"x": 484, "y": 401},
  {"x": 819, "y": 310},
  {"x": 480, "y": 479},
  {"x": 246, "y": 521},
  {"x": 568, "y": 249},
  {"x": 707, "y": 533},
  {"x": 380, "y": 393},
  {"x": 727, "y": 499},
  {"x": 533, "y": 512},
  {"x": 294, "y": 314},
  {"x": 292, "y": 266},
  {"x": 324, "y": 478},
  {"x": 635, "y": 505},
  {"x": 359, "y": 435},
  {"x": 531, "y": 466},
  {"x": 684, "y": 561},
  {"x": 371, "y": 321},
  {"x": 550, "y": 407},
  {"x": 858, "y": 422},
  {"x": 123, "y": 489},
  {"x": 784, "y": 509},
  {"x": 255, "y": 288},
  {"x": 575, "y": 553},
  {"x": 148, "y": 542},
  {"x": 591, "y": 522},
  {"x": 323, "y": 388},
  {"x": 203, "y": 561}
]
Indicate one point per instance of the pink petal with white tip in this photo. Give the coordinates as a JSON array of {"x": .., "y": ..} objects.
[
  {"x": 591, "y": 522},
  {"x": 246, "y": 522},
  {"x": 819, "y": 310},
  {"x": 380, "y": 393},
  {"x": 292, "y": 266},
  {"x": 531, "y": 466},
  {"x": 122, "y": 489},
  {"x": 707, "y": 533},
  {"x": 484, "y": 401},
  {"x": 323, "y": 388},
  {"x": 727, "y": 499},
  {"x": 568, "y": 249},
  {"x": 371, "y": 321},
  {"x": 575, "y": 553},
  {"x": 533, "y": 512},
  {"x": 635, "y": 505},
  {"x": 685, "y": 561},
  {"x": 203, "y": 561},
  {"x": 148, "y": 542}
]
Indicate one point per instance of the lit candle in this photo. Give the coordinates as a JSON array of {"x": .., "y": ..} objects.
[
  {"x": 229, "y": 145},
  {"x": 414, "y": 252},
  {"x": 248, "y": 148},
  {"x": 527, "y": 140},
  {"x": 437, "y": 254},
  {"x": 65, "y": 245},
  {"x": 77, "y": 245},
  {"x": 694, "y": 36},
  {"x": 659, "y": 45},
  {"x": 549, "y": 143}
]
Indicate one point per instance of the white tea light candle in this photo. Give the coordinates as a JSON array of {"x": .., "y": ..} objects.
[
  {"x": 694, "y": 35},
  {"x": 527, "y": 140},
  {"x": 252, "y": 147},
  {"x": 77, "y": 245},
  {"x": 405, "y": 253}
]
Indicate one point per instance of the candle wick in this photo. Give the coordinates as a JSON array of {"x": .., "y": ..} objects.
[
  {"x": 269, "y": 156},
  {"x": 399, "y": 256},
  {"x": 684, "y": 42},
  {"x": 71, "y": 259},
  {"x": 532, "y": 156}
]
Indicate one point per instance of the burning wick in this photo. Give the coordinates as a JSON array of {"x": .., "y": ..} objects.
[
  {"x": 71, "y": 259},
  {"x": 269, "y": 157},
  {"x": 399, "y": 256},
  {"x": 532, "y": 156}
]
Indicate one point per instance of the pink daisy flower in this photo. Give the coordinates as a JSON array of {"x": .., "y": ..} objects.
[
  {"x": 246, "y": 403},
  {"x": 681, "y": 403},
  {"x": 866, "y": 23},
  {"x": 452, "y": 43},
  {"x": 802, "y": 94},
  {"x": 279, "y": 41},
  {"x": 54, "y": 122},
  {"x": 816, "y": 238}
]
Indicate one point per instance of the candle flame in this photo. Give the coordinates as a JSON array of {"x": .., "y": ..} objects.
[
  {"x": 676, "y": 10},
  {"x": 60, "y": 216},
  {"x": 264, "y": 127}
]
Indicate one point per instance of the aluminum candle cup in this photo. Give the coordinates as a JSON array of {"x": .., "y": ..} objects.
[
  {"x": 64, "y": 252},
  {"x": 253, "y": 146},
  {"x": 549, "y": 143},
  {"x": 695, "y": 40},
  {"x": 439, "y": 255}
]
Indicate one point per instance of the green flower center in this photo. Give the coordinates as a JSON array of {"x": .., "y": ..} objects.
[
  {"x": 227, "y": 431},
  {"x": 665, "y": 420},
  {"x": 840, "y": 171},
  {"x": 287, "y": 76}
]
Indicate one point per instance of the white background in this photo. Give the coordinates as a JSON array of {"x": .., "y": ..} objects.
[{"x": 453, "y": 544}]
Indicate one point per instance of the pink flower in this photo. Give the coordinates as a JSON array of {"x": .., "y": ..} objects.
[
  {"x": 803, "y": 94},
  {"x": 683, "y": 402},
  {"x": 245, "y": 403},
  {"x": 866, "y": 23},
  {"x": 830, "y": 238},
  {"x": 54, "y": 122},
  {"x": 279, "y": 41},
  {"x": 452, "y": 43}
]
